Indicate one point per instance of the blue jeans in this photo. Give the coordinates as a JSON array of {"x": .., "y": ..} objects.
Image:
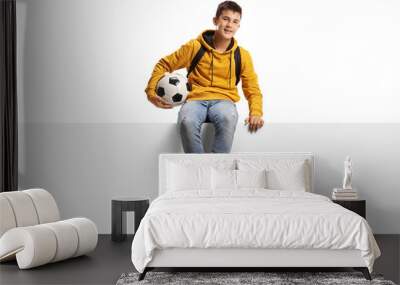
[{"x": 222, "y": 113}]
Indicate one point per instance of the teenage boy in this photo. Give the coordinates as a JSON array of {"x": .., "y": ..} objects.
[{"x": 215, "y": 65}]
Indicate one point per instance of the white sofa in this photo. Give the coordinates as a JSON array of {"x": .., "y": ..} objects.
[{"x": 31, "y": 231}]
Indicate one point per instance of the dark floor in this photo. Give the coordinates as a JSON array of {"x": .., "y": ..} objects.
[{"x": 111, "y": 259}]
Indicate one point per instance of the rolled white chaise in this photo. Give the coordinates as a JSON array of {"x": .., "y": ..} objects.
[{"x": 31, "y": 231}]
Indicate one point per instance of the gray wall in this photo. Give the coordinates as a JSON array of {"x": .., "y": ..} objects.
[
  {"x": 85, "y": 165},
  {"x": 87, "y": 132}
]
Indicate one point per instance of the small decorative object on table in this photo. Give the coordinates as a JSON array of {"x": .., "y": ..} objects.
[
  {"x": 118, "y": 215},
  {"x": 347, "y": 192},
  {"x": 348, "y": 173}
]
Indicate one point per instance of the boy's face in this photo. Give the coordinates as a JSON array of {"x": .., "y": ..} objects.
[{"x": 227, "y": 24}]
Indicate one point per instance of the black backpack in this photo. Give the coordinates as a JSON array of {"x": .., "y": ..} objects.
[{"x": 202, "y": 50}]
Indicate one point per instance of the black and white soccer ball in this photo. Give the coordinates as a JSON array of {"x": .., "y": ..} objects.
[{"x": 173, "y": 88}]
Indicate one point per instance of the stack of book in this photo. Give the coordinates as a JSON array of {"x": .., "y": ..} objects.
[{"x": 344, "y": 194}]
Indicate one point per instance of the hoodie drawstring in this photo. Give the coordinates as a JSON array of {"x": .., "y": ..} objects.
[{"x": 230, "y": 68}]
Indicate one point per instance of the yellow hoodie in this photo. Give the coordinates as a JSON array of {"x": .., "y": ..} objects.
[{"x": 214, "y": 76}]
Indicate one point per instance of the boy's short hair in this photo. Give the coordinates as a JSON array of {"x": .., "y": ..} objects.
[{"x": 228, "y": 5}]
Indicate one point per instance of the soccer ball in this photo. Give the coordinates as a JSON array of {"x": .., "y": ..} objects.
[{"x": 173, "y": 88}]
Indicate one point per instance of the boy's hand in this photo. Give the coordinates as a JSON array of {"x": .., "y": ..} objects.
[
  {"x": 159, "y": 102},
  {"x": 254, "y": 122}
]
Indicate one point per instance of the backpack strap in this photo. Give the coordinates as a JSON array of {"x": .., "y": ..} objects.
[
  {"x": 196, "y": 59},
  {"x": 238, "y": 64}
]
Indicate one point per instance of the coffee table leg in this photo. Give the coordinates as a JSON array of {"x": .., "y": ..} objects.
[{"x": 118, "y": 222}]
